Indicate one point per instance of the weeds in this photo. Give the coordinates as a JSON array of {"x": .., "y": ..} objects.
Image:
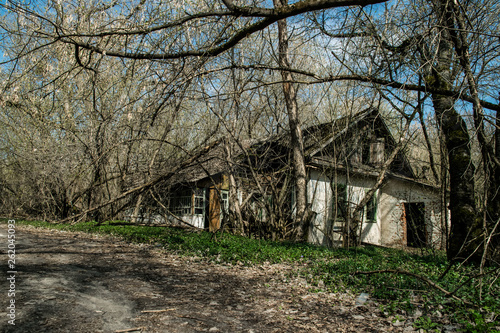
[
  {"x": 333, "y": 269},
  {"x": 478, "y": 324},
  {"x": 426, "y": 324}
]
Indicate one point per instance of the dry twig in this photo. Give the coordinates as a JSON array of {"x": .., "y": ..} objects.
[
  {"x": 158, "y": 311},
  {"x": 130, "y": 330}
]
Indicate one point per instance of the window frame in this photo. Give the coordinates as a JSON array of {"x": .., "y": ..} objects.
[
  {"x": 199, "y": 203},
  {"x": 181, "y": 205},
  {"x": 188, "y": 202},
  {"x": 224, "y": 201}
]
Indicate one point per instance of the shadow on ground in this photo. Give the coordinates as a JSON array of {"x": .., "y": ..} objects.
[{"x": 72, "y": 282}]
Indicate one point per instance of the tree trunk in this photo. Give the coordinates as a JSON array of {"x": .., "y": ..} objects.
[
  {"x": 496, "y": 185},
  {"x": 234, "y": 203},
  {"x": 137, "y": 209},
  {"x": 493, "y": 208},
  {"x": 297, "y": 143},
  {"x": 462, "y": 206}
]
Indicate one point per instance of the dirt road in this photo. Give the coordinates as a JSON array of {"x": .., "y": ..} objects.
[{"x": 75, "y": 282}]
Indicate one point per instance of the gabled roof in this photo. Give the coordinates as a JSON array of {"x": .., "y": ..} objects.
[
  {"x": 357, "y": 127},
  {"x": 211, "y": 163},
  {"x": 320, "y": 136},
  {"x": 317, "y": 139}
]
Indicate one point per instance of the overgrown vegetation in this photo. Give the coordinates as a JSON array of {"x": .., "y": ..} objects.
[{"x": 337, "y": 270}]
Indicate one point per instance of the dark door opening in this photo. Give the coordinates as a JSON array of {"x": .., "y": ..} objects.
[{"x": 416, "y": 234}]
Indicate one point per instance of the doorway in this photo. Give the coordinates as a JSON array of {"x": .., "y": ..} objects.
[{"x": 416, "y": 234}]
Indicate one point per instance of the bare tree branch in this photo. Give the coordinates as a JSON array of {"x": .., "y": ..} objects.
[{"x": 268, "y": 17}]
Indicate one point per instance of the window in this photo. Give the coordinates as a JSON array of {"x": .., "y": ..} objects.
[
  {"x": 199, "y": 201},
  {"x": 224, "y": 198},
  {"x": 339, "y": 202},
  {"x": 371, "y": 209},
  {"x": 181, "y": 205},
  {"x": 188, "y": 202}
]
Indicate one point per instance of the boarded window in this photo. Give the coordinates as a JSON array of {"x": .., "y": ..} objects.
[{"x": 377, "y": 152}]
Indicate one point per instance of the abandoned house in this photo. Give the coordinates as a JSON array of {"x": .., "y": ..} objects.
[
  {"x": 196, "y": 195},
  {"x": 344, "y": 159}
]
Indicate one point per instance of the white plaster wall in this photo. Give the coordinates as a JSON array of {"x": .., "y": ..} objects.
[
  {"x": 395, "y": 194},
  {"x": 320, "y": 195},
  {"x": 389, "y": 229},
  {"x": 390, "y": 211},
  {"x": 371, "y": 231},
  {"x": 197, "y": 221}
]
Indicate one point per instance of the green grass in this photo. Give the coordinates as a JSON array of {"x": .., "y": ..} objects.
[
  {"x": 228, "y": 248},
  {"x": 332, "y": 269}
]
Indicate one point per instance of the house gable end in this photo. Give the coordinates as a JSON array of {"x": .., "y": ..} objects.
[{"x": 362, "y": 141}]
